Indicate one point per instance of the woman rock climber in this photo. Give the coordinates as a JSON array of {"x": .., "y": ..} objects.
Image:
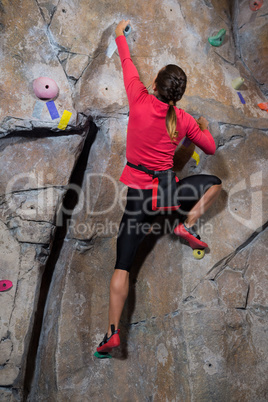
[{"x": 155, "y": 128}]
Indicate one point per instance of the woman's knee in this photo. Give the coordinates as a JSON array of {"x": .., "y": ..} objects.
[
  {"x": 214, "y": 185},
  {"x": 119, "y": 280},
  {"x": 216, "y": 181},
  {"x": 218, "y": 187},
  {"x": 214, "y": 190}
]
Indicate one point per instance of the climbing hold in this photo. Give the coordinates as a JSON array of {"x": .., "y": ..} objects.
[
  {"x": 38, "y": 108},
  {"x": 217, "y": 39},
  {"x": 102, "y": 355},
  {"x": 237, "y": 82},
  {"x": 186, "y": 142},
  {"x": 113, "y": 46},
  {"x": 255, "y": 5},
  {"x": 127, "y": 30},
  {"x": 45, "y": 88},
  {"x": 263, "y": 106},
  {"x": 52, "y": 110},
  {"x": 241, "y": 98},
  {"x": 5, "y": 285},
  {"x": 196, "y": 157},
  {"x": 64, "y": 120},
  {"x": 198, "y": 254}
]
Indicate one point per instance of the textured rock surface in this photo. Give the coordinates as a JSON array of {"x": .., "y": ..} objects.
[
  {"x": 252, "y": 41},
  {"x": 27, "y": 52},
  {"x": 32, "y": 189},
  {"x": 191, "y": 329}
]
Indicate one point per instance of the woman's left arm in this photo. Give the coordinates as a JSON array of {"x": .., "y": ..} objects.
[
  {"x": 199, "y": 134},
  {"x": 134, "y": 87}
]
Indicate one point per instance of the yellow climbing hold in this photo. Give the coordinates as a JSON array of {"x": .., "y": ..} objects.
[
  {"x": 237, "y": 82},
  {"x": 198, "y": 254},
  {"x": 196, "y": 157},
  {"x": 64, "y": 120}
]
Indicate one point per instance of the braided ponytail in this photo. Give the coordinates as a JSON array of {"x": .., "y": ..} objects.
[
  {"x": 171, "y": 84},
  {"x": 171, "y": 121}
]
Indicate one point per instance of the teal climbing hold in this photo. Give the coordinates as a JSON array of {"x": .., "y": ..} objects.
[
  {"x": 217, "y": 39},
  {"x": 102, "y": 355},
  {"x": 127, "y": 30}
]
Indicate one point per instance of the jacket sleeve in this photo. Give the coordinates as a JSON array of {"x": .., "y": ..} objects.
[
  {"x": 203, "y": 139},
  {"x": 136, "y": 91}
]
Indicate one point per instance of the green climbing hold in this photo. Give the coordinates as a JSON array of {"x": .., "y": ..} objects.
[
  {"x": 102, "y": 355},
  {"x": 217, "y": 39}
]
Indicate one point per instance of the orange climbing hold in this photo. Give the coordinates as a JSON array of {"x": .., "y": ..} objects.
[
  {"x": 263, "y": 106},
  {"x": 255, "y": 5}
]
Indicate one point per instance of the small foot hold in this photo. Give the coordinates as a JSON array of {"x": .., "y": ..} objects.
[
  {"x": 241, "y": 98},
  {"x": 198, "y": 254},
  {"x": 102, "y": 355},
  {"x": 263, "y": 106},
  {"x": 5, "y": 285},
  {"x": 218, "y": 39},
  {"x": 255, "y": 5}
]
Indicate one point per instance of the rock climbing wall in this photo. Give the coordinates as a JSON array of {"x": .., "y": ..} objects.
[
  {"x": 191, "y": 330},
  {"x": 251, "y": 33}
]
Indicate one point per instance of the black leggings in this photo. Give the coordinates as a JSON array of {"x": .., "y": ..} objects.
[{"x": 138, "y": 216}]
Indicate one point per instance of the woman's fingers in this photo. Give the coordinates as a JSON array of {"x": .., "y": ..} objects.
[
  {"x": 125, "y": 23},
  {"x": 121, "y": 27},
  {"x": 202, "y": 121}
]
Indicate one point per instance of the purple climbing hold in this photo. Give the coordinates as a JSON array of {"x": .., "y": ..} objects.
[
  {"x": 241, "y": 98},
  {"x": 54, "y": 114},
  {"x": 186, "y": 142}
]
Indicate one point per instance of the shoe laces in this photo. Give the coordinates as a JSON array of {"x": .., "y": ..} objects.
[
  {"x": 192, "y": 232},
  {"x": 106, "y": 339}
]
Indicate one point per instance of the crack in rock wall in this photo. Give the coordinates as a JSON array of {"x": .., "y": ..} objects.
[
  {"x": 191, "y": 329},
  {"x": 33, "y": 186},
  {"x": 251, "y": 32}
]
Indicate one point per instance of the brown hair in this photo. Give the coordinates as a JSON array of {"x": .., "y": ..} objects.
[{"x": 171, "y": 84}]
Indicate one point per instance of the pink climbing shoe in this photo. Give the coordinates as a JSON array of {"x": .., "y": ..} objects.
[
  {"x": 109, "y": 343},
  {"x": 189, "y": 235}
]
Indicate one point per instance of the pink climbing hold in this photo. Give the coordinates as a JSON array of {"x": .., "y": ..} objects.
[
  {"x": 5, "y": 285},
  {"x": 45, "y": 88},
  {"x": 255, "y": 5}
]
